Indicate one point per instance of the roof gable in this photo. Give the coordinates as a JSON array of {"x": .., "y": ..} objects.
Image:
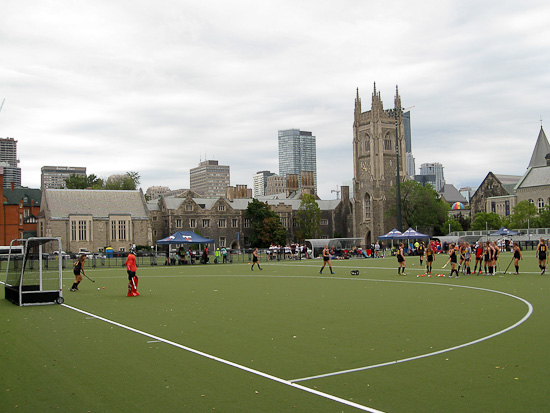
[
  {"x": 99, "y": 203},
  {"x": 542, "y": 148}
]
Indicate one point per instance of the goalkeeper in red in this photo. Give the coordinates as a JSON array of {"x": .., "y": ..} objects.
[{"x": 132, "y": 277}]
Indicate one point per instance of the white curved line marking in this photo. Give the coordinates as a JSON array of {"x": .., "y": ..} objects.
[
  {"x": 479, "y": 340},
  {"x": 229, "y": 363}
]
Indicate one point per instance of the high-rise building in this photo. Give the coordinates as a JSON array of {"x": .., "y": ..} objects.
[
  {"x": 260, "y": 182},
  {"x": 8, "y": 155},
  {"x": 411, "y": 168},
  {"x": 432, "y": 173},
  {"x": 53, "y": 177},
  {"x": 209, "y": 179},
  {"x": 297, "y": 153}
]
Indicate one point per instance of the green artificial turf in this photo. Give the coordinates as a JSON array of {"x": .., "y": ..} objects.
[{"x": 288, "y": 322}]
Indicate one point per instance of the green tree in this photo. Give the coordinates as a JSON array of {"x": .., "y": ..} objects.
[
  {"x": 486, "y": 220},
  {"x": 421, "y": 206},
  {"x": 524, "y": 214},
  {"x": 266, "y": 225},
  {"x": 544, "y": 217},
  {"x": 75, "y": 181},
  {"x": 128, "y": 181},
  {"x": 308, "y": 218},
  {"x": 454, "y": 224}
]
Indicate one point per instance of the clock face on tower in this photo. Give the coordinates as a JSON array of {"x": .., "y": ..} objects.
[{"x": 365, "y": 167}]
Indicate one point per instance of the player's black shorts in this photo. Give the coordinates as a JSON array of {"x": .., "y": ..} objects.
[
  {"x": 131, "y": 274},
  {"x": 542, "y": 256}
]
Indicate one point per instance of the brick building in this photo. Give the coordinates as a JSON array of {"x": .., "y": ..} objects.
[{"x": 20, "y": 207}]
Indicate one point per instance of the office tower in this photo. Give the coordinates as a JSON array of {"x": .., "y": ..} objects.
[
  {"x": 260, "y": 182},
  {"x": 8, "y": 155},
  {"x": 436, "y": 170},
  {"x": 297, "y": 153},
  {"x": 411, "y": 168},
  {"x": 53, "y": 177},
  {"x": 209, "y": 179}
]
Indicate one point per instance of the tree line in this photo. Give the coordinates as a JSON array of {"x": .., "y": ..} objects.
[{"x": 127, "y": 181}]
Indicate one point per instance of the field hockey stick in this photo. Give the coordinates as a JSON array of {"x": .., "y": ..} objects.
[
  {"x": 447, "y": 263},
  {"x": 506, "y": 270},
  {"x": 89, "y": 278}
]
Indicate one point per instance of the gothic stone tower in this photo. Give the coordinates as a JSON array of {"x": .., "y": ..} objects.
[{"x": 375, "y": 166}]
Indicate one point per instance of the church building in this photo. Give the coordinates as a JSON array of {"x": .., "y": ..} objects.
[{"x": 378, "y": 163}]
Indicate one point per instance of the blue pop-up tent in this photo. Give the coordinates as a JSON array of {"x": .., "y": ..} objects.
[
  {"x": 505, "y": 231},
  {"x": 393, "y": 234},
  {"x": 185, "y": 237},
  {"x": 412, "y": 234}
]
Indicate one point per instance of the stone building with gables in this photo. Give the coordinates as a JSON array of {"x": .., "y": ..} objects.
[
  {"x": 224, "y": 218},
  {"x": 95, "y": 219}
]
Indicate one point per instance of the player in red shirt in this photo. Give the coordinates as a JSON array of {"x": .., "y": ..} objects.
[{"x": 131, "y": 269}]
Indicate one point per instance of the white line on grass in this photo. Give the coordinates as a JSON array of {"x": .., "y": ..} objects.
[
  {"x": 230, "y": 363},
  {"x": 390, "y": 363}
]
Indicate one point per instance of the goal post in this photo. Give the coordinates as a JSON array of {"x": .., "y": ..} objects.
[{"x": 31, "y": 279}]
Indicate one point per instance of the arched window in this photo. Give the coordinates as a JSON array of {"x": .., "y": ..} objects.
[
  {"x": 540, "y": 204},
  {"x": 532, "y": 202},
  {"x": 367, "y": 143},
  {"x": 388, "y": 142},
  {"x": 368, "y": 208}
]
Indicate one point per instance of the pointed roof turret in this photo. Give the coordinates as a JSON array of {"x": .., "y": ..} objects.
[{"x": 542, "y": 148}]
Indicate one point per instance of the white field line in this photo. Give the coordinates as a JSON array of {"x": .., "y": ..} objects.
[
  {"x": 230, "y": 363},
  {"x": 391, "y": 363}
]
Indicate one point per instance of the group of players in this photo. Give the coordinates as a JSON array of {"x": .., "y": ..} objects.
[
  {"x": 460, "y": 256},
  {"x": 131, "y": 268}
]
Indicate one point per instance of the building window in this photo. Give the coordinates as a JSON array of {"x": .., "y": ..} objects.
[
  {"x": 367, "y": 206},
  {"x": 222, "y": 223},
  {"x": 540, "y": 204},
  {"x": 205, "y": 223},
  {"x": 324, "y": 222},
  {"x": 234, "y": 223},
  {"x": 154, "y": 218},
  {"x": 532, "y": 202},
  {"x": 387, "y": 143},
  {"x": 113, "y": 230},
  {"x": 178, "y": 223},
  {"x": 221, "y": 207},
  {"x": 295, "y": 222},
  {"x": 20, "y": 219},
  {"x": 154, "y": 233},
  {"x": 284, "y": 222},
  {"x": 26, "y": 212},
  {"x": 189, "y": 207},
  {"x": 247, "y": 223},
  {"x": 222, "y": 242},
  {"x": 79, "y": 230},
  {"x": 122, "y": 230},
  {"x": 193, "y": 223}
]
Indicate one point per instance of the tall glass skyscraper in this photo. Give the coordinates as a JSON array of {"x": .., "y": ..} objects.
[{"x": 297, "y": 153}]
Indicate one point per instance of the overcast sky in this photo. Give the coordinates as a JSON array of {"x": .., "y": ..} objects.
[{"x": 157, "y": 86}]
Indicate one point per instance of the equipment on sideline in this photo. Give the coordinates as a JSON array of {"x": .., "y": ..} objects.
[{"x": 354, "y": 272}]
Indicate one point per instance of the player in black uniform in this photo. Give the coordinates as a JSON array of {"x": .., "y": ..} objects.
[
  {"x": 542, "y": 253},
  {"x": 517, "y": 256},
  {"x": 452, "y": 258},
  {"x": 78, "y": 268},
  {"x": 401, "y": 260},
  {"x": 420, "y": 252}
]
